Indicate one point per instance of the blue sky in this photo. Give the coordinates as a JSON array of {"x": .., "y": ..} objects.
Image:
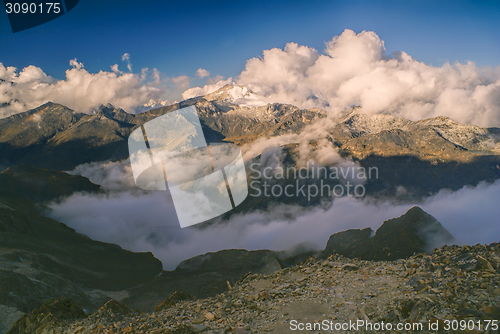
[{"x": 180, "y": 37}]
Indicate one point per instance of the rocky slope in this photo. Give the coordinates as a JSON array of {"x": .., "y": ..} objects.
[
  {"x": 41, "y": 258},
  {"x": 42, "y": 274},
  {"x": 451, "y": 284}
]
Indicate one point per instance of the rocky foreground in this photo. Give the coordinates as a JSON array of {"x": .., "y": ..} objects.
[{"x": 451, "y": 286}]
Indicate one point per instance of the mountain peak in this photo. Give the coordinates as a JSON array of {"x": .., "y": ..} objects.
[
  {"x": 231, "y": 93},
  {"x": 416, "y": 231},
  {"x": 107, "y": 109}
]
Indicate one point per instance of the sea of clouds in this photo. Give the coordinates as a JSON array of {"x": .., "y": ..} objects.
[{"x": 147, "y": 221}]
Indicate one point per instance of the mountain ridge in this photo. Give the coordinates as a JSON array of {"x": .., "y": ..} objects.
[{"x": 103, "y": 135}]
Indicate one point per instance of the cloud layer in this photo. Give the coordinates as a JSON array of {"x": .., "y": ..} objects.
[
  {"x": 146, "y": 221},
  {"x": 355, "y": 70}
]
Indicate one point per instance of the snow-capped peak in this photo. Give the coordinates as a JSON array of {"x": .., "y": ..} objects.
[{"x": 236, "y": 94}]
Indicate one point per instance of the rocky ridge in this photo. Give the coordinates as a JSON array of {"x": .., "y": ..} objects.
[
  {"x": 206, "y": 275},
  {"x": 41, "y": 258},
  {"x": 203, "y": 276},
  {"x": 435, "y": 139},
  {"x": 452, "y": 283},
  {"x": 48, "y": 135}
]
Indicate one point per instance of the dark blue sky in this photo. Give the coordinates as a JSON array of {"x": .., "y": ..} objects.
[{"x": 178, "y": 37}]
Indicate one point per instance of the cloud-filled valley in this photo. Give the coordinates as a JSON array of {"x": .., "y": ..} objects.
[
  {"x": 146, "y": 221},
  {"x": 354, "y": 69}
]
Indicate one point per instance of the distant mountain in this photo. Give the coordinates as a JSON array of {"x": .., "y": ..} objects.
[
  {"x": 53, "y": 136},
  {"x": 41, "y": 185},
  {"x": 437, "y": 139},
  {"x": 414, "y": 158}
]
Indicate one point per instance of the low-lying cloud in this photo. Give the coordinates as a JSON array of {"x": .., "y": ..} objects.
[{"x": 146, "y": 221}]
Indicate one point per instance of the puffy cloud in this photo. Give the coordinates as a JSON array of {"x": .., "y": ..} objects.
[
  {"x": 211, "y": 87},
  {"x": 181, "y": 81},
  {"x": 83, "y": 91},
  {"x": 76, "y": 64},
  {"x": 202, "y": 73},
  {"x": 115, "y": 69},
  {"x": 354, "y": 70}
]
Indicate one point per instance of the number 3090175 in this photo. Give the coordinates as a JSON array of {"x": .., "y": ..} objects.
[{"x": 32, "y": 8}]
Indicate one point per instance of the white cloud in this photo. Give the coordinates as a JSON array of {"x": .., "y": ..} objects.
[
  {"x": 202, "y": 73},
  {"x": 146, "y": 221},
  {"x": 354, "y": 70},
  {"x": 76, "y": 64},
  {"x": 181, "y": 81},
  {"x": 83, "y": 91},
  {"x": 126, "y": 58},
  {"x": 207, "y": 89},
  {"x": 110, "y": 175},
  {"x": 115, "y": 69}
]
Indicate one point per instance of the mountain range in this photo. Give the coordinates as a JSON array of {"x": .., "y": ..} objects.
[
  {"x": 41, "y": 258},
  {"x": 421, "y": 157}
]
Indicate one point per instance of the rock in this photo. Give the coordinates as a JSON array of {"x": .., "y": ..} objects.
[
  {"x": 397, "y": 238},
  {"x": 416, "y": 312},
  {"x": 198, "y": 328},
  {"x": 198, "y": 320},
  {"x": 113, "y": 308},
  {"x": 406, "y": 306},
  {"x": 49, "y": 315},
  {"x": 485, "y": 263},
  {"x": 347, "y": 243},
  {"x": 349, "y": 266},
  {"x": 464, "y": 260},
  {"x": 173, "y": 299}
]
